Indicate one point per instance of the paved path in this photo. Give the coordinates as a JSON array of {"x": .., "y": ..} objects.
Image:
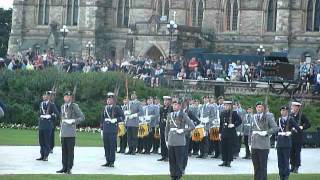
[{"x": 88, "y": 160}]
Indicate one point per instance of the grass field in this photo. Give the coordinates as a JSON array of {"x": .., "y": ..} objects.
[
  {"x": 15, "y": 137},
  {"x": 113, "y": 177}
]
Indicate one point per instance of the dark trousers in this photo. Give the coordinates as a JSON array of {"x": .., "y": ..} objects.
[
  {"x": 194, "y": 147},
  {"x": 204, "y": 146},
  {"x": 227, "y": 146},
  {"x": 164, "y": 149},
  {"x": 186, "y": 150},
  {"x": 216, "y": 147},
  {"x": 52, "y": 138},
  {"x": 260, "y": 163},
  {"x": 283, "y": 162},
  {"x": 237, "y": 143},
  {"x": 123, "y": 143},
  {"x": 44, "y": 141},
  {"x": 110, "y": 146},
  {"x": 149, "y": 140},
  {"x": 176, "y": 159},
  {"x": 132, "y": 134},
  {"x": 295, "y": 155},
  {"x": 246, "y": 144},
  {"x": 67, "y": 146}
]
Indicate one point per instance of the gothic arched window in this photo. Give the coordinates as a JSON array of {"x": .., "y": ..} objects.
[
  {"x": 272, "y": 15},
  {"x": 126, "y": 13},
  {"x": 119, "y": 13},
  {"x": 313, "y": 15},
  {"x": 43, "y": 12},
  {"x": 159, "y": 8},
  {"x": 310, "y": 15},
  {"x": 317, "y": 16},
  {"x": 235, "y": 13},
  {"x": 200, "y": 13},
  {"x": 228, "y": 16},
  {"x": 194, "y": 13},
  {"x": 72, "y": 12}
]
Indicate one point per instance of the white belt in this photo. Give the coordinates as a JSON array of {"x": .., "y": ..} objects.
[
  {"x": 173, "y": 129},
  {"x": 127, "y": 113},
  {"x": 133, "y": 116},
  {"x": 147, "y": 118},
  {"x": 204, "y": 120},
  {"x": 69, "y": 121},
  {"x": 288, "y": 133},
  {"x": 110, "y": 120}
]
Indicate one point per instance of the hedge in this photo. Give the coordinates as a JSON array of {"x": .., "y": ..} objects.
[{"x": 22, "y": 91}]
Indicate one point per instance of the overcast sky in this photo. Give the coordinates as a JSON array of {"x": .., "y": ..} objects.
[{"x": 6, "y": 4}]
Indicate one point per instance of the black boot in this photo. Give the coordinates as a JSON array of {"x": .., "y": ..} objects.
[
  {"x": 40, "y": 159},
  {"x": 223, "y": 164},
  {"x": 62, "y": 171}
]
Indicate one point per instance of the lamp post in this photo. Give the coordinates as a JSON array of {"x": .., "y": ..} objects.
[
  {"x": 89, "y": 46},
  {"x": 64, "y": 31},
  {"x": 261, "y": 50},
  {"x": 172, "y": 26}
]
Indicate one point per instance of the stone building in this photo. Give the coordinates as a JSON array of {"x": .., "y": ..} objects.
[{"x": 121, "y": 28}]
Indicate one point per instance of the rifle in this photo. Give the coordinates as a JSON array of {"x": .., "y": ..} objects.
[
  {"x": 266, "y": 100},
  {"x": 74, "y": 92},
  {"x": 53, "y": 91}
]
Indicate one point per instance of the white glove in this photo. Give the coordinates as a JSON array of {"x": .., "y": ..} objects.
[
  {"x": 219, "y": 136},
  {"x": 167, "y": 143},
  {"x": 230, "y": 125},
  {"x": 180, "y": 131},
  {"x": 101, "y": 133},
  {"x": 263, "y": 133},
  {"x": 113, "y": 120},
  {"x": 69, "y": 121},
  {"x": 238, "y": 133},
  {"x": 301, "y": 127},
  {"x": 200, "y": 126},
  {"x": 46, "y": 116},
  {"x": 173, "y": 129},
  {"x": 288, "y": 133},
  {"x": 281, "y": 133}
]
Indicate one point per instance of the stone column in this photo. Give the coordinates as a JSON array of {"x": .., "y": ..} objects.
[{"x": 283, "y": 25}]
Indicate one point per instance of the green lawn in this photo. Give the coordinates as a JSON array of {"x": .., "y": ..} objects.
[
  {"x": 194, "y": 177},
  {"x": 20, "y": 137}
]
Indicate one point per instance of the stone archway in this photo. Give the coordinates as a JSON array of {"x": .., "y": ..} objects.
[{"x": 154, "y": 53}]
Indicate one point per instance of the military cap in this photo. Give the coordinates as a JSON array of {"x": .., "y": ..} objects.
[
  {"x": 284, "y": 108},
  {"x": 166, "y": 97},
  {"x": 227, "y": 102},
  {"x": 68, "y": 93},
  {"x": 296, "y": 103},
  {"x": 110, "y": 95}
]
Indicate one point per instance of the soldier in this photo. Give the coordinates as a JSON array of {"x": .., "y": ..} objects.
[
  {"x": 247, "y": 121},
  {"x": 262, "y": 126},
  {"x": 175, "y": 138},
  {"x": 297, "y": 135},
  {"x": 194, "y": 146},
  {"x": 284, "y": 142},
  {"x": 111, "y": 116},
  {"x": 206, "y": 115},
  {"x": 164, "y": 111},
  {"x": 141, "y": 140},
  {"x": 156, "y": 139},
  {"x": 54, "y": 123},
  {"x": 216, "y": 124},
  {"x": 71, "y": 115},
  {"x": 229, "y": 120},
  {"x": 123, "y": 139},
  {"x": 133, "y": 123},
  {"x": 48, "y": 111},
  {"x": 151, "y": 115}
]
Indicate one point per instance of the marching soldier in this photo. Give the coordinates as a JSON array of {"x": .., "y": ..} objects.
[
  {"x": 247, "y": 121},
  {"x": 123, "y": 139},
  {"x": 175, "y": 138},
  {"x": 229, "y": 120},
  {"x": 206, "y": 115},
  {"x": 164, "y": 111},
  {"x": 194, "y": 146},
  {"x": 297, "y": 135},
  {"x": 111, "y": 116},
  {"x": 133, "y": 124},
  {"x": 262, "y": 127},
  {"x": 156, "y": 138},
  {"x": 284, "y": 142},
  {"x": 71, "y": 115},
  {"x": 216, "y": 124},
  {"x": 141, "y": 140},
  {"x": 48, "y": 111},
  {"x": 151, "y": 115}
]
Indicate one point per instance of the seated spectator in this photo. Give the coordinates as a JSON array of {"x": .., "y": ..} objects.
[
  {"x": 29, "y": 66},
  {"x": 193, "y": 63},
  {"x": 209, "y": 75},
  {"x": 195, "y": 75},
  {"x": 182, "y": 74},
  {"x": 158, "y": 74}
]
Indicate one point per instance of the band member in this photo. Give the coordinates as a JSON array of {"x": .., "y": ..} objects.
[
  {"x": 214, "y": 105},
  {"x": 206, "y": 115},
  {"x": 48, "y": 111},
  {"x": 151, "y": 115},
  {"x": 215, "y": 126},
  {"x": 217, "y": 144},
  {"x": 111, "y": 116},
  {"x": 141, "y": 132},
  {"x": 156, "y": 139},
  {"x": 297, "y": 136},
  {"x": 164, "y": 111},
  {"x": 133, "y": 123},
  {"x": 262, "y": 126},
  {"x": 123, "y": 139},
  {"x": 194, "y": 146},
  {"x": 71, "y": 115},
  {"x": 239, "y": 129},
  {"x": 175, "y": 130},
  {"x": 284, "y": 142},
  {"x": 229, "y": 120},
  {"x": 247, "y": 121}
]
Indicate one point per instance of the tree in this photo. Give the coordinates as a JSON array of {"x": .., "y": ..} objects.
[{"x": 5, "y": 29}]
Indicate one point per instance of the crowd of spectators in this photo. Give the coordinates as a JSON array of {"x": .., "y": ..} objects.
[{"x": 154, "y": 71}]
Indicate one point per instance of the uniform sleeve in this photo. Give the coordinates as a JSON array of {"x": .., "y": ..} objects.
[
  {"x": 305, "y": 122},
  {"x": 189, "y": 123},
  {"x": 221, "y": 121},
  {"x": 79, "y": 114},
  {"x": 273, "y": 128},
  {"x": 237, "y": 119},
  {"x": 157, "y": 115},
  {"x": 54, "y": 110},
  {"x": 120, "y": 113},
  {"x": 167, "y": 130}
]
